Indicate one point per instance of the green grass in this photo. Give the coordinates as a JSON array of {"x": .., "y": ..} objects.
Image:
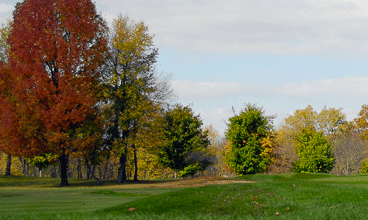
[
  {"x": 114, "y": 193},
  {"x": 286, "y": 196}
]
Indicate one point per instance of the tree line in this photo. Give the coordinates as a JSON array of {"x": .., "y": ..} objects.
[
  {"x": 72, "y": 88},
  {"x": 80, "y": 100},
  {"x": 307, "y": 141}
]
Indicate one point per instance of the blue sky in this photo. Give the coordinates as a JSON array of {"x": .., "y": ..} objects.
[{"x": 282, "y": 55}]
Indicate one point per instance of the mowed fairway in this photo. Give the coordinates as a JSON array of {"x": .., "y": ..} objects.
[
  {"x": 23, "y": 197},
  {"x": 285, "y": 196}
]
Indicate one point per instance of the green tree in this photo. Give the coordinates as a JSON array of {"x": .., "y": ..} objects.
[
  {"x": 314, "y": 152},
  {"x": 246, "y": 133},
  {"x": 183, "y": 138},
  {"x": 329, "y": 120},
  {"x": 132, "y": 90},
  {"x": 43, "y": 161}
]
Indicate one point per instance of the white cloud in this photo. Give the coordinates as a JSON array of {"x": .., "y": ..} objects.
[
  {"x": 216, "y": 117},
  {"x": 262, "y": 26},
  {"x": 244, "y": 26},
  {"x": 5, "y": 13},
  {"x": 201, "y": 90},
  {"x": 5, "y": 8},
  {"x": 343, "y": 87},
  {"x": 348, "y": 86}
]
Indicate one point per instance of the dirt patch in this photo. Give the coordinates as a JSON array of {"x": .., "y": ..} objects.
[{"x": 191, "y": 182}]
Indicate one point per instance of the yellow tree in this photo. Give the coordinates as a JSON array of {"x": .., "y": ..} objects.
[
  {"x": 362, "y": 121},
  {"x": 131, "y": 85},
  {"x": 330, "y": 121}
]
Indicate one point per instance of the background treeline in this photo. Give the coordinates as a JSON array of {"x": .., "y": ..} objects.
[
  {"x": 307, "y": 141},
  {"x": 78, "y": 100}
]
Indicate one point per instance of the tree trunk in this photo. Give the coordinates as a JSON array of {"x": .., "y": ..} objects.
[
  {"x": 79, "y": 168},
  {"x": 106, "y": 166},
  {"x": 99, "y": 172},
  {"x": 135, "y": 163},
  {"x": 122, "y": 169},
  {"x": 53, "y": 172},
  {"x": 24, "y": 166},
  {"x": 88, "y": 172},
  {"x": 63, "y": 160},
  {"x": 92, "y": 172},
  {"x": 8, "y": 166}
]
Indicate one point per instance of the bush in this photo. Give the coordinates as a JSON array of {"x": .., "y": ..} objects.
[
  {"x": 314, "y": 152},
  {"x": 190, "y": 170},
  {"x": 247, "y": 152}
]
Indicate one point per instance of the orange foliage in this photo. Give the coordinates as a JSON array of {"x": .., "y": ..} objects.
[{"x": 56, "y": 48}]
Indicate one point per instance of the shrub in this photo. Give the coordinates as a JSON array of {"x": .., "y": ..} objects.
[
  {"x": 314, "y": 152},
  {"x": 190, "y": 170},
  {"x": 248, "y": 135}
]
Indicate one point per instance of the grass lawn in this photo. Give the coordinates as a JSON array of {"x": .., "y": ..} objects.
[{"x": 285, "y": 196}]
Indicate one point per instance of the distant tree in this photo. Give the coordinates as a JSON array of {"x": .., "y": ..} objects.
[
  {"x": 43, "y": 161},
  {"x": 330, "y": 120},
  {"x": 4, "y": 46},
  {"x": 249, "y": 151},
  {"x": 350, "y": 149},
  {"x": 362, "y": 121},
  {"x": 56, "y": 49},
  {"x": 314, "y": 152},
  {"x": 184, "y": 138}
]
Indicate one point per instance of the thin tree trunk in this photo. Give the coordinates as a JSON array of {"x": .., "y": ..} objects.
[
  {"x": 79, "y": 168},
  {"x": 122, "y": 169},
  {"x": 63, "y": 160},
  {"x": 24, "y": 166},
  {"x": 92, "y": 172},
  {"x": 88, "y": 171},
  {"x": 106, "y": 166},
  {"x": 8, "y": 166},
  {"x": 53, "y": 172},
  {"x": 135, "y": 163},
  {"x": 99, "y": 172}
]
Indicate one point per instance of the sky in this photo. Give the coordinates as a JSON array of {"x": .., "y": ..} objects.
[{"x": 280, "y": 55}]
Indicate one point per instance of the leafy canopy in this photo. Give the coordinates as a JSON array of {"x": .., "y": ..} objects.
[
  {"x": 250, "y": 147},
  {"x": 314, "y": 152},
  {"x": 183, "y": 136}
]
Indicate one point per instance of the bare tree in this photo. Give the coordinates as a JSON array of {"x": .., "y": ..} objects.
[{"x": 349, "y": 150}]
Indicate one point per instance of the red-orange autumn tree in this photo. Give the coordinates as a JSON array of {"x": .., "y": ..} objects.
[{"x": 56, "y": 49}]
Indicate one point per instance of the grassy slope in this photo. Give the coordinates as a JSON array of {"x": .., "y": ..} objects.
[{"x": 293, "y": 196}]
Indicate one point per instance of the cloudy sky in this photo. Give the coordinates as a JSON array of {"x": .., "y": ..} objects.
[{"x": 282, "y": 55}]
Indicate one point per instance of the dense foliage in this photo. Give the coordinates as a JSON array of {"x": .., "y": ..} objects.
[
  {"x": 55, "y": 50},
  {"x": 184, "y": 138},
  {"x": 314, "y": 152},
  {"x": 246, "y": 133},
  {"x": 91, "y": 99}
]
